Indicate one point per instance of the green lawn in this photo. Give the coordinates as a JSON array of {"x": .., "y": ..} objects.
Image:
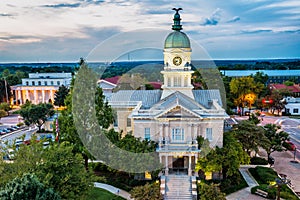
[{"x": 100, "y": 194}]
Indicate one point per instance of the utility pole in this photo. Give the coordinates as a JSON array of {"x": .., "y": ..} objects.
[{"x": 5, "y": 83}]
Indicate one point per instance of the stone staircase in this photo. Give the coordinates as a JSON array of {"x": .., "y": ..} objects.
[{"x": 178, "y": 187}]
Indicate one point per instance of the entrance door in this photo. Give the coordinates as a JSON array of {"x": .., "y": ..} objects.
[
  {"x": 178, "y": 166},
  {"x": 178, "y": 163}
]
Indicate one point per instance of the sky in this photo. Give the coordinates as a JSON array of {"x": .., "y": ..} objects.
[{"x": 65, "y": 30}]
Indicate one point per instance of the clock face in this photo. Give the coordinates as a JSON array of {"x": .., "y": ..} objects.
[{"x": 177, "y": 60}]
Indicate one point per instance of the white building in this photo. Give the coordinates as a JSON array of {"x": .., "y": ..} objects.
[
  {"x": 175, "y": 115},
  {"x": 40, "y": 87},
  {"x": 292, "y": 106}
]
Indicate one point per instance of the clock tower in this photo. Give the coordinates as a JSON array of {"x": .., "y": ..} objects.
[{"x": 177, "y": 61}]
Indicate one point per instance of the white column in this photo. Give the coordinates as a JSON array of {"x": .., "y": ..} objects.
[
  {"x": 35, "y": 96},
  {"x": 166, "y": 134},
  {"x": 43, "y": 95},
  {"x": 27, "y": 95},
  {"x": 19, "y": 96},
  {"x": 189, "y": 133},
  {"x": 172, "y": 81},
  {"x": 182, "y": 81},
  {"x": 166, "y": 166},
  {"x": 190, "y": 166},
  {"x": 51, "y": 96}
]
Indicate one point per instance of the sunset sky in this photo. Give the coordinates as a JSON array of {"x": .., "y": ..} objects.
[{"x": 65, "y": 30}]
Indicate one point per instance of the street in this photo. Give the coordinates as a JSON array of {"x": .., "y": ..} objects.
[{"x": 289, "y": 125}]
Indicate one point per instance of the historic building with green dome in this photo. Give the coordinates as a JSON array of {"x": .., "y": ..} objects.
[{"x": 173, "y": 116}]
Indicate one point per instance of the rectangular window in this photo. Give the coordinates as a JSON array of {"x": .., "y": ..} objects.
[
  {"x": 177, "y": 81},
  {"x": 45, "y": 83},
  {"x": 51, "y": 82},
  {"x": 169, "y": 81},
  {"x": 58, "y": 82},
  {"x": 178, "y": 134},
  {"x": 209, "y": 134},
  {"x": 147, "y": 134},
  {"x": 128, "y": 122},
  {"x": 33, "y": 83},
  {"x": 27, "y": 83},
  {"x": 295, "y": 110}
]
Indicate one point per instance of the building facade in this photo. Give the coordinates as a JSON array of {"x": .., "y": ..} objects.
[
  {"x": 175, "y": 115},
  {"x": 40, "y": 87},
  {"x": 274, "y": 76}
]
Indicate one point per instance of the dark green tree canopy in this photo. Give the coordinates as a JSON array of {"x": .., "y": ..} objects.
[
  {"x": 60, "y": 96},
  {"x": 250, "y": 136},
  {"x": 147, "y": 192},
  {"x": 36, "y": 114},
  {"x": 27, "y": 187},
  {"x": 277, "y": 138}
]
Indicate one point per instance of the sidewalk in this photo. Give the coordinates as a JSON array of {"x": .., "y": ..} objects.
[
  {"x": 114, "y": 190},
  {"x": 246, "y": 192},
  {"x": 284, "y": 166}
]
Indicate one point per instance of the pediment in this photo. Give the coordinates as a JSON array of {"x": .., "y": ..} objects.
[{"x": 178, "y": 112}]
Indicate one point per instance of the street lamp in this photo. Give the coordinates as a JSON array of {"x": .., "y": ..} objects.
[{"x": 280, "y": 182}]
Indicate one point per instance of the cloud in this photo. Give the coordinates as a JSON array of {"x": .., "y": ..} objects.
[
  {"x": 256, "y": 31},
  {"x": 6, "y": 15},
  {"x": 213, "y": 19},
  {"x": 93, "y": 2},
  {"x": 63, "y": 5},
  {"x": 234, "y": 19}
]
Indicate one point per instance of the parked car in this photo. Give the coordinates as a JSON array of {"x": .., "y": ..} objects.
[
  {"x": 9, "y": 154},
  {"x": 15, "y": 127},
  {"x": 290, "y": 146},
  {"x": 11, "y": 129},
  {"x": 2, "y": 132},
  {"x": 6, "y": 130}
]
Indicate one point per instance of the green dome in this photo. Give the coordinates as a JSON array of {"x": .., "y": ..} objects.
[{"x": 177, "y": 39}]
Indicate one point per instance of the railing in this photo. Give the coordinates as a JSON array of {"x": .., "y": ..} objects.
[{"x": 165, "y": 146}]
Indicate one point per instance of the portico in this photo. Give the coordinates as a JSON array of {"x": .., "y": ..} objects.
[
  {"x": 40, "y": 87},
  {"x": 179, "y": 162}
]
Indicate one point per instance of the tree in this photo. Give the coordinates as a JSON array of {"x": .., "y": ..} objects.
[
  {"x": 276, "y": 138},
  {"x": 37, "y": 114},
  {"x": 250, "y": 136},
  {"x": 212, "y": 162},
  {"x": 57, "y": 167},
  {"x": 243, "y": 86},
  {"x": 260, "y": 77},
  {"x": 146, "y": 192},
  {"x": 64, "y": 171},
  {"x": 277, "y": 98},
  {"x": 2, "y": 113},
  {"x": 211, "y": 192},
  {"x": 4, "y": 88},
  {"x": 27, "y": 187},
  {"x": 68, "y": 130},
  {"x": 60, "y": 95},
  {"x": 5, "y": 106},
  {"x": 233, "y": 155},
  {"x": 104, "y": 111}
]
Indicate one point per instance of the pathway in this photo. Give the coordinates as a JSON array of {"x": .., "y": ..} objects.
[
  {"x": 246, "y": 192},
  {"x": 114, "y": 190}
]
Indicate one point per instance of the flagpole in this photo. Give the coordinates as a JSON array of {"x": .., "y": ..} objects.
[{"x": 57, "y": 127}]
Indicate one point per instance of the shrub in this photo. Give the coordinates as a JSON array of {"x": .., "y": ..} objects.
[
  {"x": 20, "y": 124},
  {"x": 258, "y": 161},
  {"x": 287, "y": 195},
  {"x": 263, "y": 175}
]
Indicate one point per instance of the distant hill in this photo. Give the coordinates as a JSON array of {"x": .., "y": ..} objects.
[{"x": 152, "y": 68}]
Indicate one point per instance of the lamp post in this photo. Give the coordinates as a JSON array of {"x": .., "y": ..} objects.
[{"x": 280, "y": 182}]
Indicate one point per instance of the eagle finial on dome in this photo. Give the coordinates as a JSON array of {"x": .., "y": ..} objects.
[{"x": 177, "y": 26}]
